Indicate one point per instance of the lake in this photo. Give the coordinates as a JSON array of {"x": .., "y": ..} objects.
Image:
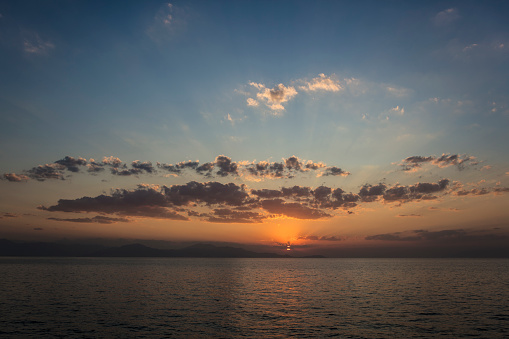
[{"x": 254, "y": 298}]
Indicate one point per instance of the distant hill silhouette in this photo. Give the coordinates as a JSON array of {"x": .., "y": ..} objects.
[{"x": 40, "y": 249}]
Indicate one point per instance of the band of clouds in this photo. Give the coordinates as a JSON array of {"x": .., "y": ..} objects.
[
  {"x": 217, "y": 202},
  {"x": 213, "y": 201},
  {"x": 222, "y": 166}
]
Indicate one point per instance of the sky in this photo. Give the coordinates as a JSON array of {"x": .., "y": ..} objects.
[{"x": 325, "y": 125}]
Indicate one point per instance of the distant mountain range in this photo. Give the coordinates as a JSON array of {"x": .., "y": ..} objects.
[{"x": 43, "y": 249}]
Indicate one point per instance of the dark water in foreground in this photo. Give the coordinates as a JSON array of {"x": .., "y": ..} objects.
[{"x": 258, "y": 298}]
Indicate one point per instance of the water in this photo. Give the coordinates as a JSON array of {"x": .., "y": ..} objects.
[{"x": 254, "y": 298}]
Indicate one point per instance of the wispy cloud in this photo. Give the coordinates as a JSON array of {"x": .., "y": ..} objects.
[
  {"x": 36, "y": 45},
  {"x": 446, "y": 17},
  {"x": 168, "y": 21}
]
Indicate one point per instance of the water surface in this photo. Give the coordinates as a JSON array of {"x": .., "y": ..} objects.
[{"x": 270, "y": 298}]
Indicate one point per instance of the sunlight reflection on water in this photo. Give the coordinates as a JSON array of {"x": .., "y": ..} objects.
[{"x": 184, "y": 297}]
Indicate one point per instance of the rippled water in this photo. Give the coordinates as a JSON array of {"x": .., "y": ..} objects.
[{"x": 259, "y": 298}]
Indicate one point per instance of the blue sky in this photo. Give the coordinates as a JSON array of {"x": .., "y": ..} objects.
[{"x": 358, "y": 86}]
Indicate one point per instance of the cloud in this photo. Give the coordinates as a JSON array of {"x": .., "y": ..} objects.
[
  {"x": 334, "y": 171},
  {"x": 97, "y": 219},
  {"x": 48, "y": 171},
  {"x": 322, "y": 83},
  {"x": 444, "y": 236},
  {"x": 222, "y": 166},
  {"x": 226, "y": 166},
  {"x": 398, "y": 110},
  {"x": 369, "y": 193},
  {"x": 275, "y": 97},
  {"x": 143, "y": 166},
  {"x": 419, "y": 191},
  {"x": 415, "y": 163},
  {"x": 9, "y": 215},
  {"x": 13, "y": 177},
  {"x": 36, "y": 45},
  {"x": 225, "y": 215},
  {"x": 293, "y": 210},
  {"x": 319, "y": 238},
  {"x": 168, "y": 22},
  {"x": 71, "y": 164},
  {"x": 446, "y": 17},
  {"x": 179, "y": 167},
  {"x": 252, "y": 102},
  {"x": 112, "y": 161}
]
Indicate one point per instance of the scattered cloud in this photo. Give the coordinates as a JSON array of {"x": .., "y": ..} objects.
[
  {"x": 274, "y": 98},
  {"x": 415, "y": 163},
  {"x": 15, "y": 177},
  {"x": 322, "y": 83},
  {"x": 97, "y": 219},
  {"x": 444, "y": 236},
  {"x": 252, "y": 102},
  {"x": 319, "y": 238},
  {"x": 168, "y": 22},
  {"x": 446, "y": 17},
  {"x": 36, "y": 45}
]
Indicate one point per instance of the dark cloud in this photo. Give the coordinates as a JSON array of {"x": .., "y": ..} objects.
[
  {"x": 293, "y": 163},
  {"x": 9, "y": 215},
  {"x": 294, "y": 210},
  {"x": 48, "y": 171},
  {"x": 296, "y": 191},
  {"x": 334, "y": 171},
  {"x": 322, "y": 238},
  {"x": 225, "y": 215},
  {"x": 97, "y": 219},
  {"x": 177, "y": 168},
  {"x": 222, "y": 166},
  {"x": 120, "y": 201},
  {"x": 38, "y": 229},
  {"x": 94, "y": 167},
  {"x": 419, "y": 191},
  {"x": 473, "y": 191},
  {"x": 322, "y": 193},
  {"x": 444, "y": 236},
  {"x": 264, "y": 169},
  {"x": 143, "y": 166},
  {"x": 206, "y": 168},
  {"x": 409, "y": 215},
  {"x": 226, "y": 166},
  {"x": 267, "y": 193},
  {"x": 209, "y": 193},
  {"x": 369, "y": 193},
  {"x": 397, "y": 236},
  {"x": 429, "y": 187},
  {"x": 72, "y": 164},
  {"x": 137, "y": 167},
  {"x": 414, "y": 163},
  {"x": 314, "y": 165},
  {"x": 155, "y": 202},
  {"x": 124, "y": 171}
]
